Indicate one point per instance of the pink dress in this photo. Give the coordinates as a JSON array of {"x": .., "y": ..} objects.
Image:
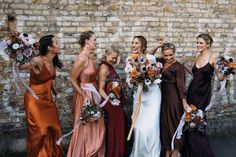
[{"x": 87, "y": 140}]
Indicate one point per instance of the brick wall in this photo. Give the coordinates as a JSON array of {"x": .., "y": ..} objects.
[{"x": 116, "y": 22}]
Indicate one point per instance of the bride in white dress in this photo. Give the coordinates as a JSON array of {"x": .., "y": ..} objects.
[{"x": 147, "y": 126}]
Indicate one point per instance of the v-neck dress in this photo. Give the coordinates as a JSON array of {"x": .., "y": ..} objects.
[
  {"x": 173, "y": 91},
  {"x": 199, "y": 94},
  {"x": 43, "y": 123}
]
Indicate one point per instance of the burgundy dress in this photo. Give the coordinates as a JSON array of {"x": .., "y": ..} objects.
[
  {"x": 115, "y": 132},
  {"x": 199, "y": 94},
  {"x": 173, "y": 91}
]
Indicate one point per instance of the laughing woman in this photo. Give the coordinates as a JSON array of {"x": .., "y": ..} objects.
[
  {"x": 173, "y": 98},
  {"x": 43, "y": 123},
  {"x": 115, "y": 133}
]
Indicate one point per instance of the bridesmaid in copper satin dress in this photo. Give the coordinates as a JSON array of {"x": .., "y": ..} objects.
[
  {"x": 43, "y": 123},
  {"x": 87, "y": 140},
  {"x": 115, "y": 132}
]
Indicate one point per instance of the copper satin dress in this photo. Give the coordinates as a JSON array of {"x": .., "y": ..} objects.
[
  {"x": 87, "y": 140},
  {"x": 43, "y": 123}
]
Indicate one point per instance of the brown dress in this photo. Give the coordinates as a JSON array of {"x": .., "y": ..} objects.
[
  {"x": 87, "y": 140},
  {"x": 43, "y": 123},
  {"x": 173, "y": 91}
]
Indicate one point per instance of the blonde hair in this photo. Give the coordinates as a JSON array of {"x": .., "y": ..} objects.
[{"x": 112, "y": 49}]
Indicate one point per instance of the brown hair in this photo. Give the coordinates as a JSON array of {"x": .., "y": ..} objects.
[
  {"x": 208, "y": 39},
  {"x": 85, "y": 36},
  {"x": 143, "y": 42}
]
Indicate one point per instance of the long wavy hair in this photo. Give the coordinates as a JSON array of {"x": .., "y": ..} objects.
[{"x": 44, "y": 42}]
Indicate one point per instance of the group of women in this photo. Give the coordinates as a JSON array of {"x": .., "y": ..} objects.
[{"x": 159, "y": 116}]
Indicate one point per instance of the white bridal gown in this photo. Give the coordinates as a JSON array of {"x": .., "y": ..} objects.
[{"x": 147, "y": 127}]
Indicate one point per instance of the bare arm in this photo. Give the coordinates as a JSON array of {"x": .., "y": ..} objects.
[
  {"x": 80, "y": 64},
  {"x": 159, "y": 44},
  {"x": 102, "y": 77},
  {"x": 36, "y": 64}
]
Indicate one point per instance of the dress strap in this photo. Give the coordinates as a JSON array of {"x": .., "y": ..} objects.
[{"x": 209, "y": 58}]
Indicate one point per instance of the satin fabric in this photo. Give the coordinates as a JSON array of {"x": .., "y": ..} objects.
[
  {"x": 87, "y": 140},
  {"x": 43, "y": 123},
  {"x": 147, "y": 127}
]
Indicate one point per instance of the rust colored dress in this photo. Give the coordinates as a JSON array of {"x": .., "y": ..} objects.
[
  {"x": 87, "y": 140},
  {"x": 115, "y": 132},
  {"x": 43, "y": 123},
  {"x": 173, "y": 91}
]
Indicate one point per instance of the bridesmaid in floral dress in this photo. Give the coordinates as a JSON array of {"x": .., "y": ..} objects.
[
  {"x": 115, "y": 134},
  {"x": 43, "y": 123},
  {"x": 87, "y": 140}
]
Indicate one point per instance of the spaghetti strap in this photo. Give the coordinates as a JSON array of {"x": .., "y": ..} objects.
[{"x": 209, "y": 58}]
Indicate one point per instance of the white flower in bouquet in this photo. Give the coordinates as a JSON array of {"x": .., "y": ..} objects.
[
  {"x": 147, "y": 82},
  {"x": 115, "y": 102},
  {"x": 128, "y": 68},
  {"x": 157, "y": 81},
  {"x": 15, "y": 46}
]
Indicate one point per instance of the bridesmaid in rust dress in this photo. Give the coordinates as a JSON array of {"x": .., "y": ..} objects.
[
  {"x": 173, "y": 99},
  {"x": 87, "y": 140},
  {"x": 43, "y": 123},
  {"x": 199, "y": 94},
  {"x": 115, "y": 133}
]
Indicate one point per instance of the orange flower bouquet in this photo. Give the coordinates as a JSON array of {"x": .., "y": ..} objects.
[
  {"x": 142, "y": 69},
  {"x": 194, "y": 120}
]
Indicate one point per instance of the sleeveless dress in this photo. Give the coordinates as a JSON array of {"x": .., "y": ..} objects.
[
  {"x": 43, "y": 123},
  {"x": 115, "y": 133},
  {"x": 87, "y": 140},
  {"x": 199, "y": 94},
  {"x": 173, "y": 91},
  {"x": 147, "y": 127}
]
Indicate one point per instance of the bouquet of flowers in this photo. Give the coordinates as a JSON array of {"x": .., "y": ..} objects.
[
  {"x": 142, "y": 70},
  {"x": 225, "y": 65},
  {"x": 194, "y": 120},
  {"x": 90, "y": 113},
  {"x": 114, "y": 90},
  {"x": 20, "y": 47}
]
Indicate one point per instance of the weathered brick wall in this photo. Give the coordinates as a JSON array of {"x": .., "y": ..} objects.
[{"x": 116, "y": 22}]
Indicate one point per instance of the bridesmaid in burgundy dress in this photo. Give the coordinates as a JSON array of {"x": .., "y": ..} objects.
[
  {"x": 199, "y": 94},
  {"x": 115, "y": 133}
]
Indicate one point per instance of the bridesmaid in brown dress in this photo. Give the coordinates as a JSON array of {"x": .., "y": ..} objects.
[
  {"x": 173, "y": 99},
  {"x": 43, "y": 123},
  {"x": 115, "y": 132},
  {"x": 87, "y": 140}
]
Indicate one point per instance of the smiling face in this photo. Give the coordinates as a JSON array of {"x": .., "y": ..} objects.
[
  {"x": 55, "y": 47},
  {"x": 168, "y": 55},
  {"x": 111, "y": 58},
  {"x": 202, "y": 45},
  {"x": 92, "y": 42},
  {"x": 136, "y": 45}
]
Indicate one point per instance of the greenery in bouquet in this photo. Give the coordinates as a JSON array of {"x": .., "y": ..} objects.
[
  {"x": 141, "y": 70},
  {"x": 20, "y": 47},
  {"x": 90, "y": 113},
  {"x": 225, "y": 65},
  {"x": 114, "y": 90},
  {"x": 194, "y": 120}
]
